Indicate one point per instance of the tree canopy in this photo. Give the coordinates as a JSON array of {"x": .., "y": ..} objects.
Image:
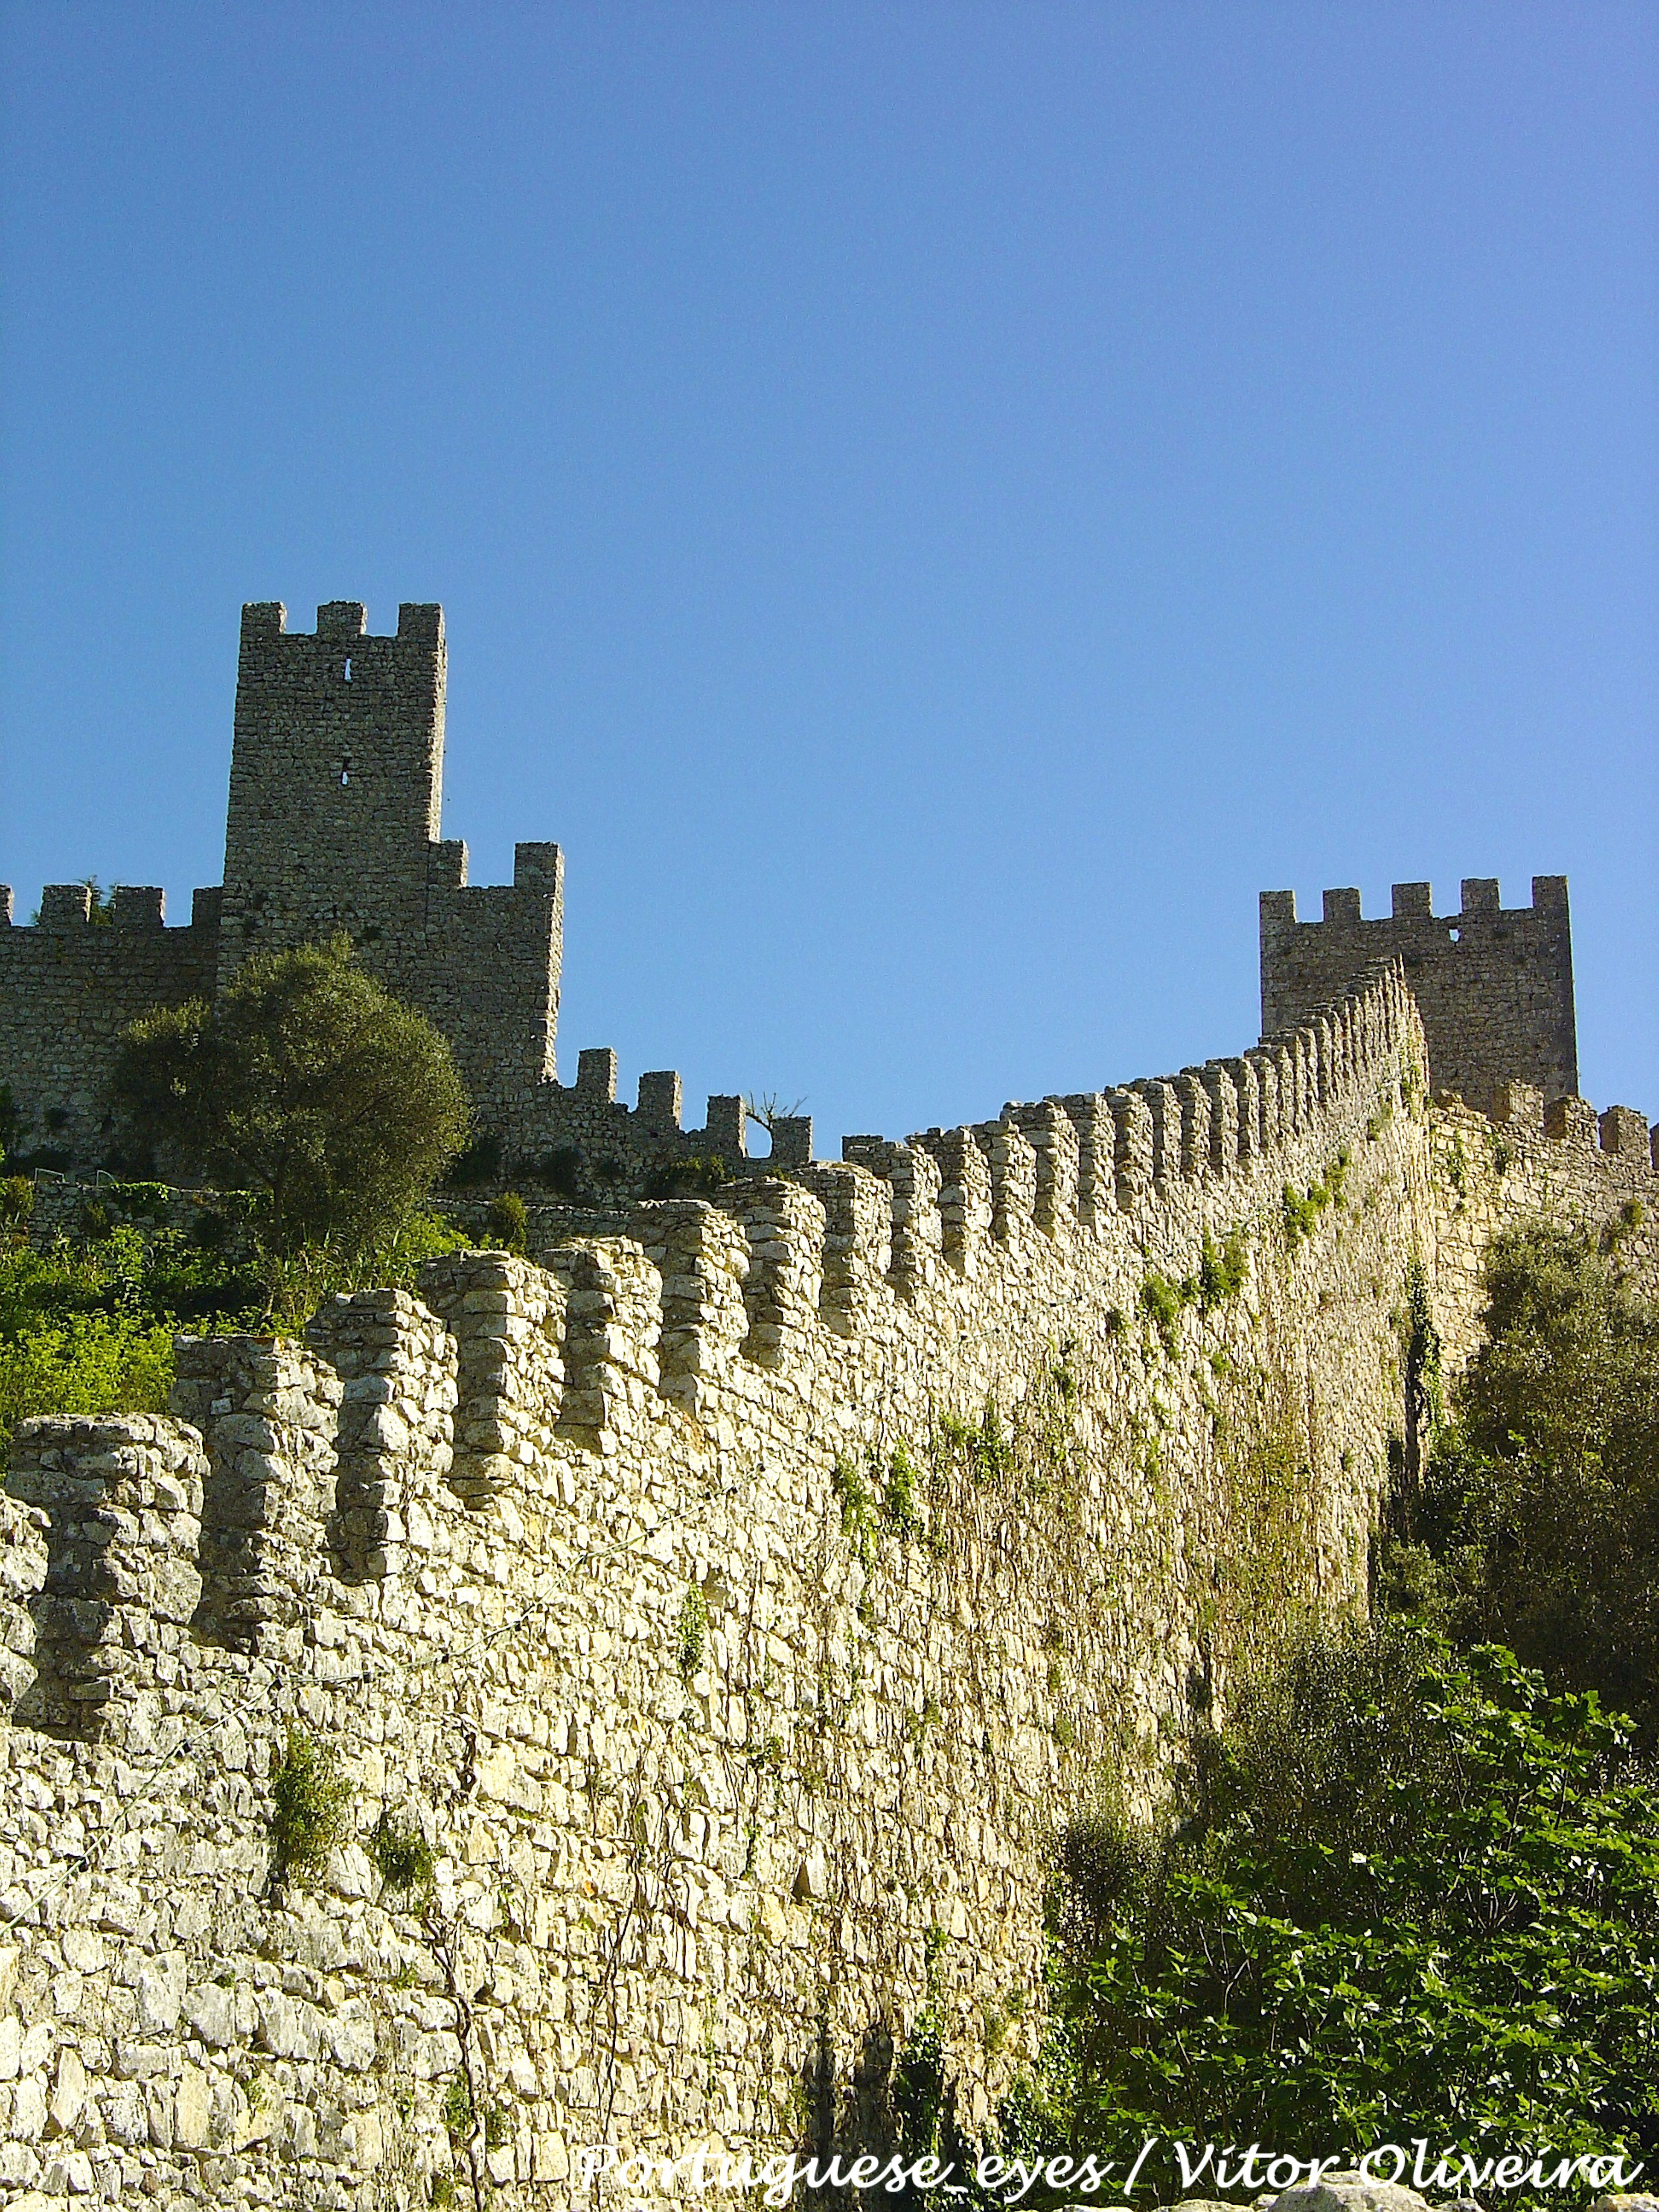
[
  {"x": 1540, "y": 1514},
  {"x": 308, "y": 1085},
  {"x": 1422, "y": 1894}
]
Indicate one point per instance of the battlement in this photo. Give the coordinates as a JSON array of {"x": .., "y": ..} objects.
[
  {"x": 1494, "y": 983},
  {"x": 69, "y": 986},
  {"x": 287, "y": 1465}
]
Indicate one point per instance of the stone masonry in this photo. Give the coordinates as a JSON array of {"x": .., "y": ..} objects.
[
  {"x": 734, "y": 1597},
  {"x": 711, "y": 1617}
]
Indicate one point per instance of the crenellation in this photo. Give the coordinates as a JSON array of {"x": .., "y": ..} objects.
[
  {"x": 1519, "y": 1104},
  {"x": 858, "y": 1242},
  {"x": 659, "y": 1101},
  {"x": 1493, "y": 984},
  {"x": 1090, "y": 1118},
  {"x": 1623, "y": 1133},
  {"x": 791, "y": 1139},
  {"x": 613, "y": 1322},
  {"x": 596, "y": 1075},
  {"x": 1245, "y": 1115},
  {"x": 1048, "y": 1130},
  {"x": 724, "y": 1129},
  {"x": 964, "y": 1197},
  {"x": 507, "y": 1319},
  {"x": 703, "y": 1258},
  {"x": 1221, "y": 1096},
  {"x": 1132, "y": 1148},
  {"x": 1571, "y": 1121},
  {"x": 1193, "y": 1105},
  {"x": 137, "y": 906},
  {"x": 267, "y": 1413},
  {"x": 1163, "y": 1108},
  {"x": 122, "y": 1497},
  {"x": 64, "y": 906},
  {"x": 784, "y": 1226},
  {"x": 398, "y": 1369},
  {"x": 1011, "y": 1163}
]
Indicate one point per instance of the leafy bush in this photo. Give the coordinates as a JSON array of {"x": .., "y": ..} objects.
[
  {"x": 89, "y": 1364},
  {"x": 89, "y": 1329},
  {"x": 1430, "y": 1883},
  {"x": 480, "y": 1161},
  {"x": 697, "y": 1174},
  {"x": 508, "y": 1222},
  {"x": 1539, "y": 1518},
  {"x": 307, "y": 1083}
]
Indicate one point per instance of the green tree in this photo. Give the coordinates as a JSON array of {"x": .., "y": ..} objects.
[
  {"x": 309, "y": 1085},
  {"x": 1540, "y": 1511},
  {"x": 1419, "y": 1893}
]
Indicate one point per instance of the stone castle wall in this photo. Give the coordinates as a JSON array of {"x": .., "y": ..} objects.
[
  {"x": 735, "y": 1596},
  {"x": 1494, "y": 983},
  {"x": 70, "y": 986}
]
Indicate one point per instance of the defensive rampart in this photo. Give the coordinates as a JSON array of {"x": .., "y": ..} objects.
[{"x": 733, "y": 1600}]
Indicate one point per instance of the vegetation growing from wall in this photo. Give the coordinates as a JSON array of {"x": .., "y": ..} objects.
[{"x": 310, "y": 1800}]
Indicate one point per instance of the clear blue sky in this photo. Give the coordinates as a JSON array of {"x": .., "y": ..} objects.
[{"x": 935, "y": 505}]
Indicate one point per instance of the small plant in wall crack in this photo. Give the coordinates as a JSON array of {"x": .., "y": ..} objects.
[
  {"x": 693, "y": 1633},
  {"x": 309, "y": 1801},
  {"x": 403, "y": 1857}
]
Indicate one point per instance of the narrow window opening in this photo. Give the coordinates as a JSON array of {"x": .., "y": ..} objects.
[
  {"x": 1455, "y": 935},
  {"x": 345, "y": 777},
  {"x": 348, "y": 668}
]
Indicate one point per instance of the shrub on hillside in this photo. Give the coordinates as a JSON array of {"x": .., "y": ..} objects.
[
  {"x": 1417, "y": 1892},
  {"x": 309, "y": 1085},
  {"x": 1539, "y": 1515}
]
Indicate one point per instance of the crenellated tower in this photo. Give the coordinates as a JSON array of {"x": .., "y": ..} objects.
[
  {"x": 334, "y": 822},
  {"x": 1494, "y": 983}
]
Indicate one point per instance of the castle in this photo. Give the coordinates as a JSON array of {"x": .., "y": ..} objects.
[
  {"x": 730, "y": 1598},
  {"x": 334, "y": 822}
]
